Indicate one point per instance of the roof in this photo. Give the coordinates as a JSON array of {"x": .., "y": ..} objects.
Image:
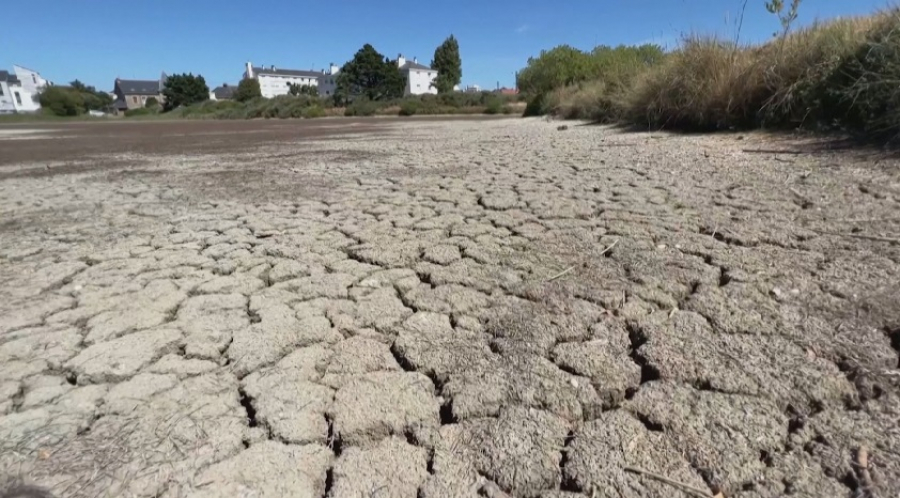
[
  {"x": 285, "y": 72},
  {"x": 8, "y": 77},
  {"x": 224, "y": 92},
  {"x": 415, "y": 65},
  {"x": 139, "y": 87}
]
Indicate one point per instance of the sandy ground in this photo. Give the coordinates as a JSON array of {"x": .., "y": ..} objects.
[{"x": 426, "y": 308}]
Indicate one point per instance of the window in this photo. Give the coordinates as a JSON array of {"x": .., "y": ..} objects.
[
  {"x": 1, "y": 90},
  {"x": 18, "y": 98},
  {"x": 34, "y": 78},
  {"x": 134, "y": 99}
]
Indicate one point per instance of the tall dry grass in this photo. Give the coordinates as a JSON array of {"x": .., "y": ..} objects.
[
  {"x": 709, "y": 84},
  {"x": 840, "y": 74}
]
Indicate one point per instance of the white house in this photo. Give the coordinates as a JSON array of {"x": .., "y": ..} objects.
[
  {"x": 328, "y": 81},
  {"x": 18, "y": 91},
  {"x": 419, "y": 78},
  {"x": 274, "y": 81}
]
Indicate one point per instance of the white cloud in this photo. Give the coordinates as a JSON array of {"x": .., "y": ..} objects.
[{"x": 523, "y": 28}]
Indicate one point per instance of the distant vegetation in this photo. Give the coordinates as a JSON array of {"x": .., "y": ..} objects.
[
  {"x": 837, "y": 75},
  {"x": 183, "y": 90},
  {"x": 73, "y": 100},
  {"x": 369, "y": 75},
  {"x": 247, "y": 89},
  {"x": 448, "y": 65},
  {"x": 305, "y": 106}
]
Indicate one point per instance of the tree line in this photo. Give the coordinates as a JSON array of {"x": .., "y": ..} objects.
[{"x": 369, "y": 75}]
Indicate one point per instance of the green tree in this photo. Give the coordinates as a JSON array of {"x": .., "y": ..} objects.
[
  {"x": 79, "y": 86},
  {"x": 555, "y": 68},
  {"x": 184, "y": 89},
  {"x": 308, "y": 90},
  {"x": 448, "y": 65},
  {"x": 152, "y": 103},
  {"x": 93, "y": 100},
  {"x": 247, "y": 89},
  {"x": 370, "y": 75},
  {"x": 62, "y": 101}
]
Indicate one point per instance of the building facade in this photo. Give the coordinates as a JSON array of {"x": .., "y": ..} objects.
[
  {"x": 19, "y": 90},
  {"x": 328, "y": 81},
  {"x": 274, "y": 81},
  {"x": 419, "y": 78},
  {"x": 133, "y": 94}
]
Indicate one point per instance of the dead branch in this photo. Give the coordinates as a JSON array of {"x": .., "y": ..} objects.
[{"x": 671, "y": 482}]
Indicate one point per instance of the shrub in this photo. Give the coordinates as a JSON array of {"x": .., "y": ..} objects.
[
  {"x": 314, "y": 111},
  {"x": 62, "y": 101},
  {"x": 585, "y": 85},
  {"x": 152, "y": 103},
  {"x": 361, "y": 107},
  {"x": 796, "y": 70},
  {"x": 862, "y": 93},
  {"x": 247, "y": 89},
  {"x": 707, "y": 85},
  {"x": 410, "y": 107},
  {"x": 493, "y": 106}
]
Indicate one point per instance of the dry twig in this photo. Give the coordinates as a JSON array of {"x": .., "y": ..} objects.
[
  {"x": 671, "y": 482},
  {"x": 866, "y": 489},
  {"x": 569, "y": 269}
]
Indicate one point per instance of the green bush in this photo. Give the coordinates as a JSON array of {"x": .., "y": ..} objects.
[
  {"x": 564, "y": 71},
  {"x": 247, "y": 89},
  {"x": 410, "y": 107},
  {"x": 62, "y": 101},
  {"x": 493, "y": 106},
  {"x": 362, "y": 107},
  {"x": 314, "y": 111},
  {"x": 151, "y": 103},
  {"x": 862, "y": 94}
]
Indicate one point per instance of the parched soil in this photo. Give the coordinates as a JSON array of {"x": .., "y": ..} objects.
[{"x": 444, "y": 308}]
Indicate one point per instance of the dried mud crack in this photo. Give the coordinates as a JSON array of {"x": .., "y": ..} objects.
[{"x": 432, "y": 308}]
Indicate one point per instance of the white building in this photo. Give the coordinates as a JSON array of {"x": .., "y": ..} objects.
[
  {"x": 18, "y": 92},
  {"x": 419, "y": 78},
  {"x": 328, "y": 81},
  {"x": 274, "y": 81}
]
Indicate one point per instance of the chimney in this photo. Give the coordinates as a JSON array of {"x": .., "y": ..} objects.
[
  {"x": 415, "y": 60},
  {"x": 334, "y": 69},
  {"x": 273, "y": 68},
  {"x": 249, "y": 70},
  {"x": 400, "y": 60}
]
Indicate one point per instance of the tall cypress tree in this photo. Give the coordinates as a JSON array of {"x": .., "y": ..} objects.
[{"x": 448, "y": 65}]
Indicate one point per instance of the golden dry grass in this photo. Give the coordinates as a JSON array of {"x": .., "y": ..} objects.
[{"x": 815, "y": 77}]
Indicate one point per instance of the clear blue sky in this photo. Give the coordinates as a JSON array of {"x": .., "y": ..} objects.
[{"x": 98, "y": 40}]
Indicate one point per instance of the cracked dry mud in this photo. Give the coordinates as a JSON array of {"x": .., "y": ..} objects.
[{"x": 441, "y": 309}]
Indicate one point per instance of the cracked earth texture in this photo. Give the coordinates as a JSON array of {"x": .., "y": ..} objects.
[{"x": 442, "y": 309}]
